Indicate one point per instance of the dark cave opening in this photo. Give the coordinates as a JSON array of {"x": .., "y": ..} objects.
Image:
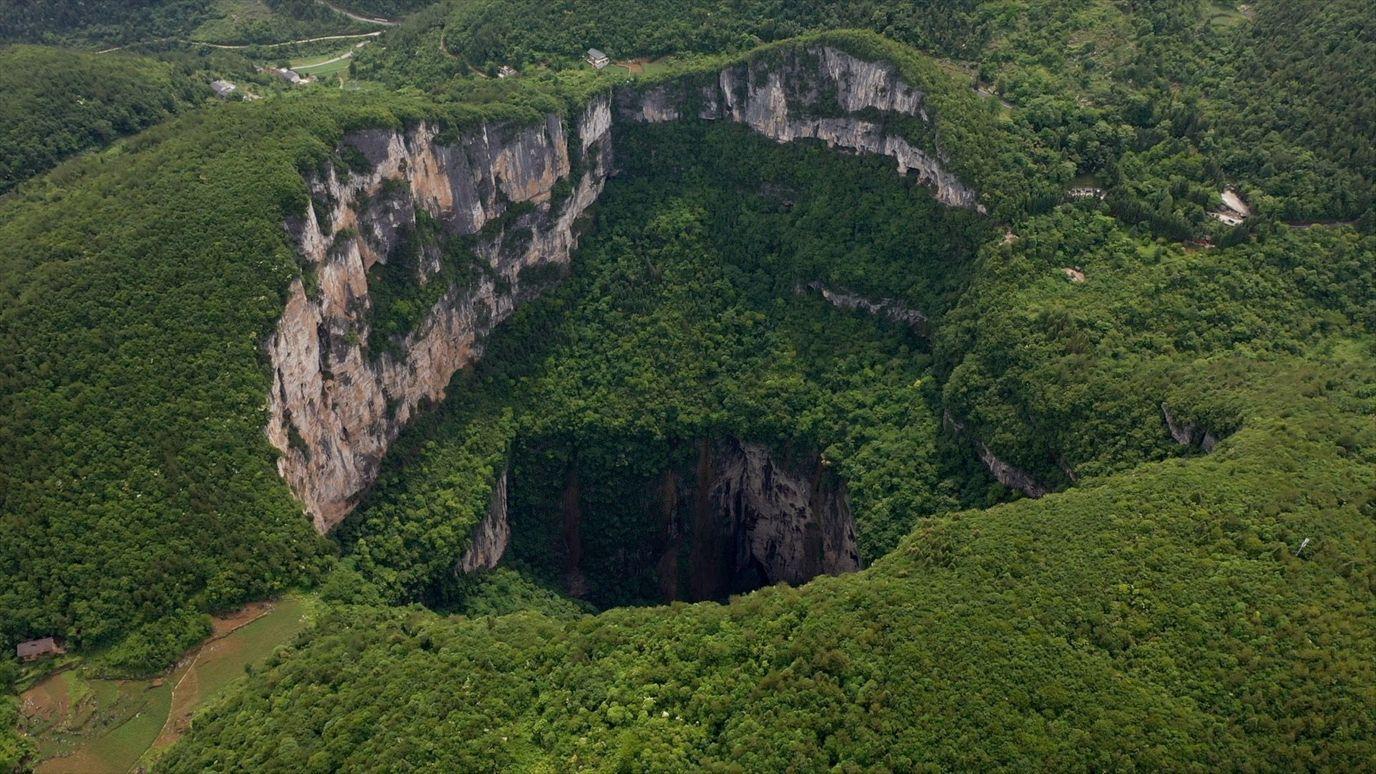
[{"x": 644, "y": 521}]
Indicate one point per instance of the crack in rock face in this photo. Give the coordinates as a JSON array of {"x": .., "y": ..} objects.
[
  {"x": 517, "y": 192},
  {"x": 335, "y": 407}
]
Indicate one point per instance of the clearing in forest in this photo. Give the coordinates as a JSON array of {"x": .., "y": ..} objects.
[{"x": 83, "y": 724}]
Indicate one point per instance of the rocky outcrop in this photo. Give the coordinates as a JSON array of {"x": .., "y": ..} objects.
[
  {"x": 335, "y": 406},
  {"x": 1187, "y": 434},
  {"x": 815, "y": 93},
  {"x": 732, "y": 517},
  {"x": 492, "y": 534},
  {"x": 787, "y": 523},
  {"x": 1009, "y": 476},
  {"x": 513, "y": 194},
  {"x": 888, "y": 308}
]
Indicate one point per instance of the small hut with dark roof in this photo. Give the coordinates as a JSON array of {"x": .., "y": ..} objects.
[{"x": 32, "y": 650}]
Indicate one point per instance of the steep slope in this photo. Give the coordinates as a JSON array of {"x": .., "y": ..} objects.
[
  {"x": 1153, "y": 617},
  {"x": 1213, "y": 610},
  {"x": 335, "y": 406},
  {"x": 141, "y": 290},
  {"x": 345, "y": 382},
  {"x": 58, "y": 103},
  {"x": 1166, "y": 613}
]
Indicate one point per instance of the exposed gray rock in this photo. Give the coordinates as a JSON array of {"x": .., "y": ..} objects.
[
  {"x": 335, "y": 407},
  {"x": 820, "y": 93},
  {"x": 1187, "y": 434},
  {"x": 1009, "y": 476},
  {"x": 888, "y": 308},
  {"x": 492, "y": 534},
  {"x": 788, "y": 524}
]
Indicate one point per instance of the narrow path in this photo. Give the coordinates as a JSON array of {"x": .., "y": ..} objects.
[
  {"x": 356, "y": 17},
  {"x": 443, "y": 48},
  {"x": 235, "y": 46},
  {"x": 285, "y": 42},
  {"x": 179, "y": 714}
]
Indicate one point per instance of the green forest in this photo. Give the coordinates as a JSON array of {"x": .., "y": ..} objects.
[
  {"x": 1178, "y": 599},
  {"x": 105, "y": 24},
  {"x": 81, "y": 101}
]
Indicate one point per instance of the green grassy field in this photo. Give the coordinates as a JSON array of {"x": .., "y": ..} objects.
[
  {"x": 83, "y": 724},
  {"x": 325, "y": 67}
]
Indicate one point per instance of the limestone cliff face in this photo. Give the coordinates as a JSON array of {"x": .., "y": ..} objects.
[
  {"x": 730, "y": 518},
  {"x": 1009, "y": 476},
  {"x": 1187, "y": 434},
  {"x": 788, "y": 523},
  {"x": 819, "y": 92},
  {"x": 515, "y": 192},
  {"x": 492, "y": 534},
  {"x": 335, "y": 406}
]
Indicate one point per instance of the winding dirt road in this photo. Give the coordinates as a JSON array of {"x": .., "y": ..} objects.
[{"x": 356, "y": 17}]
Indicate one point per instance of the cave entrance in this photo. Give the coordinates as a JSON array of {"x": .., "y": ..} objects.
[{"x": 624, "y": 521}]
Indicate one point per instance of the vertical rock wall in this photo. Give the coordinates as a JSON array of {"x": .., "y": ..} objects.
[
  {"x": 786, "y": 523},
  {"x": 492, "y": 534},
  {"x": 335, "y": 406},
  {"x": 818, "y": 93},
  {"x": 516, "y": 193}
]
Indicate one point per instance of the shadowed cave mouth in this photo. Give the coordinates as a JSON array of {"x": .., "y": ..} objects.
[{"x": 638, "y": 522}]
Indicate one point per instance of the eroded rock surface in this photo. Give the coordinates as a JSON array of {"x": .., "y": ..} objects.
[
  {"x": 492, "y": 534},
  {"x": 888, "y": 308},
  {"x": 787, "y": 523},
  {"x": 516, "y": 193},
  {"x": 1187, "y": 434},
  {"x": 335, "y": 406},
  {"x": 820, "y": 93},
  {"x": 1008, "y": 475}
]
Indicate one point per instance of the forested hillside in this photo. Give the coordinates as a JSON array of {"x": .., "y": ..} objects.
[
  {"x": 1300, "y": 70},
  {"x": 111, "y": 23},
  {"x": 136, "y": 290},
  {"x": 1154, "y": 615},
  {"x": 1104, "y": 453},
  {"x": 689, "y": 319},
  {"x": 60, "y": 102},
  {"x": 1161, "y": 104}
]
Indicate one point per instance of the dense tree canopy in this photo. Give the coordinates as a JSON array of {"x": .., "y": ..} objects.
[
  {"x": 1165, "y": 606},
  {"x": 60, "y": 102}
]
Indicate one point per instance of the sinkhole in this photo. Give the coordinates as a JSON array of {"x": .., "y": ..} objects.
[{"x": 634, "y": 521}]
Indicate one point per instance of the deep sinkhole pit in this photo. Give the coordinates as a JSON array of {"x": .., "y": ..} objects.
[{"x": 633, "y": 522}]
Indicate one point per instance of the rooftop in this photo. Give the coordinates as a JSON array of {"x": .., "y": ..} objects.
[{"x": 39, "y": 647}]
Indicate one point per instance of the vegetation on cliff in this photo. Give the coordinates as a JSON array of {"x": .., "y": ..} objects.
[
  {"x": 109, "y": 23},
  {"x": 1162, "y": 103},
  {"x": 686, "y": 318},
  {"x": 1161, "y": 610},
  {"x": 1164, "y": 607},
  {"x": 1156, "y": 616}
]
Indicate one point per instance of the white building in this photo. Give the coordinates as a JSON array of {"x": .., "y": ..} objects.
[{"x": 597, "y": 59}]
